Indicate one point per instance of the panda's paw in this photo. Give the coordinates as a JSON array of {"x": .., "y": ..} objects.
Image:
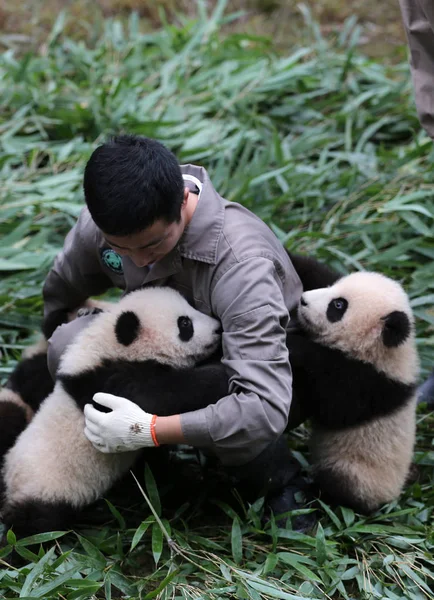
[{"x": 84, "y": 312}]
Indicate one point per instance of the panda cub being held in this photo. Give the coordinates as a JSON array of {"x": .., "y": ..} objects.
[
  {"x": 146, "y": 347},
  {"x": 355, "y": 369}
]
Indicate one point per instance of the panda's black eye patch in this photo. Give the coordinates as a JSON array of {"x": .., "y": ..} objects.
[
  {"x": 186, "y": 329},
  {"x": 336, "y": 309},
  {"x": 127, "y": 328}
]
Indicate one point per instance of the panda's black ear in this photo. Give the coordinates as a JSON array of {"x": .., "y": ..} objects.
[
  {"x": 127, "y": 328},
  {"x": 396, "y": 328}
]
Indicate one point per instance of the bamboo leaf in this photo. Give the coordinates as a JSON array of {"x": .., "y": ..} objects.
[
  {"x": 237, "y": 541},
  {"x": 157, "y": 542}
]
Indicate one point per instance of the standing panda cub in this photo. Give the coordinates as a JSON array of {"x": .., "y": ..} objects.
[
  {"x": 147, "y": 348},
  {"x": 355, "y": 368}
]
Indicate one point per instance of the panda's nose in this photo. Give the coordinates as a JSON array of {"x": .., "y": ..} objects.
[
  {"x": 219, "y": 330},
  {"x": 303, "y": 301}
]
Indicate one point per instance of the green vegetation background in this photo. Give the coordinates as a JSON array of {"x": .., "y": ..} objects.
[{"x": 319, "y": 137}]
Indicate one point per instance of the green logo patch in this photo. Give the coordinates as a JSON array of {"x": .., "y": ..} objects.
[{"x": 112, "y": 260}]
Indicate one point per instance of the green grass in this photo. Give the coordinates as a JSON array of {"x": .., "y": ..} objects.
[
  {"x": 26, "y": 24},
  {"x": 323, "y": 144}
]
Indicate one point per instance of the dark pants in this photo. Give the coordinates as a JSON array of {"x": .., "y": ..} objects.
[
  {"x": 268, "y": 473},
  {"x": 276, "y": 475}
]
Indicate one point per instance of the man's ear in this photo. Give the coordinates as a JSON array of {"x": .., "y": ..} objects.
[
  {"x": 396, "y": 328},
  {"x": 127, "y": 328}
]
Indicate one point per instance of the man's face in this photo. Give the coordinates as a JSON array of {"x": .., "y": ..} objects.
[{"x": 151, "y": 244}]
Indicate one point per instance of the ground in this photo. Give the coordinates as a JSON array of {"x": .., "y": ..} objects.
[{"x": 383, "y": 32}]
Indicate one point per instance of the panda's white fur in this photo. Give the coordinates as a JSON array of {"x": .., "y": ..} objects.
[
  {"x": 52, "y": 462},
  {"x": 374, "y": 457},
  {"x": 370, "y": 460},
  {"x": 358, "y": 334},
  {"x": 158, "y": 310},
  {"x": 39, "y": 347}
]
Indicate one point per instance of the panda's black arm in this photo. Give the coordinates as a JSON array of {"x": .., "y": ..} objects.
[
  {"x": 338, "y": 391},
  {"x": 156, "y": 388},
  {"x": 305, "y": 360},
  {"x": 166, "y": 392},
  {"x": 31, "y": 379}
]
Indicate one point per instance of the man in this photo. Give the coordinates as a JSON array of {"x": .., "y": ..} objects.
[
  {"x": 148, "y": 221},
  {"x": 418, "y": 16}
]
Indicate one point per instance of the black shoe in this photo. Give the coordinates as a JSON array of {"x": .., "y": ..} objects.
[{"x": 425, "y": 392}]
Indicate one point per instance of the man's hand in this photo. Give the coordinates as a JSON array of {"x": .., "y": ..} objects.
[{"x": 127, "y": 427}]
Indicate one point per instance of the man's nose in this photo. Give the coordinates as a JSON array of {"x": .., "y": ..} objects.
[{"x": 139, "y": 261}]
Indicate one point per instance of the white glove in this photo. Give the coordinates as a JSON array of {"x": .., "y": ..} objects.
[{"x": 127, "y": 427}]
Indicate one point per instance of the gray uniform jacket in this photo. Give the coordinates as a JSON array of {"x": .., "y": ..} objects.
[
  {"x": 418, "y": 16},
  {"x": 231, "y": 266}
]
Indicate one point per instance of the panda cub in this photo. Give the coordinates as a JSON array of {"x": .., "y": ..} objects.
[
  {"x": 355, "y": 369},
  {"x": 144, "y": 348}
]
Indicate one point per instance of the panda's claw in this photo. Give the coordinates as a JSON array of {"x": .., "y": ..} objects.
[{"x": 84, "y": 312}]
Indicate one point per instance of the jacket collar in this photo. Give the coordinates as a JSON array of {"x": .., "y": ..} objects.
[{"x": 201, "y": 236}]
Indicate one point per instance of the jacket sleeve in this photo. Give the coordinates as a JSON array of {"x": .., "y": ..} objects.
[
  {"x": 418, "y": 17},
  {"x": 76, "y": 275},
  {"x": 248, "y": 300}
]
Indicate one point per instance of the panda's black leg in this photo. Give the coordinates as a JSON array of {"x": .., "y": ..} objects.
[
  {"x": 32, "y": 517},
  {"x": 36, "y": 516}
]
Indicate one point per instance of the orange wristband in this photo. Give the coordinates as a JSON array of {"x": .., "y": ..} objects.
[{"x": 154, "y": 437}]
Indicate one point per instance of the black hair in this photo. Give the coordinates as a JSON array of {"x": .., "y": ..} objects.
[{"x": 130, "y": 182}]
